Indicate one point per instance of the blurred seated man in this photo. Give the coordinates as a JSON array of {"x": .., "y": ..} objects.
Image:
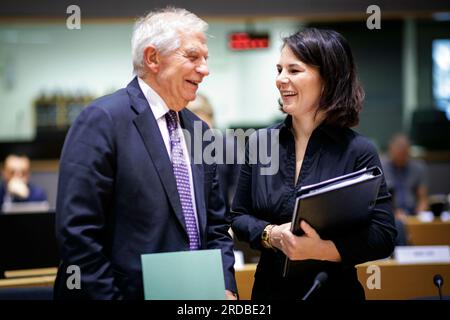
[
  {"x": 406, "y": 178},
  {"x": 228, "y": 172},
  {"x": 15, "y": 186},
  {"x": 202, "y": 109}
]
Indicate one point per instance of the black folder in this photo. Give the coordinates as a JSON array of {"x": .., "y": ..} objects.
[{"x": 335, "y": 206}]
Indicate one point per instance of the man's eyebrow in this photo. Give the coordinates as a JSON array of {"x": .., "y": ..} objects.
[{"x": 194, "y": 50}]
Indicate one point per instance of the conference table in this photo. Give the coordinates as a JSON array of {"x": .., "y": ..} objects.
[
  {"x": 400, "y": 281},
  {"x": 435, "y": 232},
  {"x": 396, "y": 281},
  {"x": 41, "y": 277}
]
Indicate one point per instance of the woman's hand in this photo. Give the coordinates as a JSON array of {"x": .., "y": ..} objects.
[
  {"x": 275, "y": 234},
  {"x": 307, "y": 246}
]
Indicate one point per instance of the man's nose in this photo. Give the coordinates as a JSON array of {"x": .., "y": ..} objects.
[
  {"x": 203, "y": 69},
  {"x": 19, "y": 174}
]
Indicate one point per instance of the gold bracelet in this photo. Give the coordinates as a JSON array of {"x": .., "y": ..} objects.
[{"x": 265, "y": 236}]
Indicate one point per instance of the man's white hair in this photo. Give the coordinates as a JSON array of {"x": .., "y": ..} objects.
[{"x": 162, "y": 29}]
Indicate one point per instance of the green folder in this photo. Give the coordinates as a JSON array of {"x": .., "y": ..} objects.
[{"x": 183, "y": 275}]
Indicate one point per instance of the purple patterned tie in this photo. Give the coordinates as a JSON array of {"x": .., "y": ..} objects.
[{"x": 181, "y": 173}]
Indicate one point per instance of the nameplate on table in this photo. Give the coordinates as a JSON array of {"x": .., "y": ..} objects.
[{"x": 422, "y": 254}]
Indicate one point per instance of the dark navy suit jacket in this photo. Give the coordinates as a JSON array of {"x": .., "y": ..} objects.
[{"x": 117, "y": 199}]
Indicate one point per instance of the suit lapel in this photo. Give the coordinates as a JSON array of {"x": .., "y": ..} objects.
[
  {"x": 197, "y": 171},
  {"x": 148, "y": 128}
]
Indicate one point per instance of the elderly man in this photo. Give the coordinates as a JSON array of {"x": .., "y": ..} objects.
[{"x": 128, "y": 183}]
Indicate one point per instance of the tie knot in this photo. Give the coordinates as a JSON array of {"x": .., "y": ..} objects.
[{"x": 171, "y": 119}]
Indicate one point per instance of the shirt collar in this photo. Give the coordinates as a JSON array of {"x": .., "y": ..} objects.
[{"x": 157, "y": 104}]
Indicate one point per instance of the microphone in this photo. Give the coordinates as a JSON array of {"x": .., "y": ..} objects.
[
  {"x": 320, "y": 279},
  {"x": 438, "y": 282}
]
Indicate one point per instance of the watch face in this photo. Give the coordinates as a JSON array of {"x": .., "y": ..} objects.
[{"x": 265, "y": 235}]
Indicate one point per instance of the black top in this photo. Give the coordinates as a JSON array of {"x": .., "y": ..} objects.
[{"x": 269, "y": 199}]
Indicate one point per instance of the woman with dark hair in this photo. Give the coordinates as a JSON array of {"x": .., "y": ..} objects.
[{"x": 322, "y": 97}]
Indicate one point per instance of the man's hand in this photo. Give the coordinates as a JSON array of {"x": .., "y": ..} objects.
[
  {"x": 18, "y": 188},
  {"x": 401, "y": 214},
  {"x": 230, "y": 295}
]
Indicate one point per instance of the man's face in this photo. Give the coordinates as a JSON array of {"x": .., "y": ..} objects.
[
  {"x": 16, "y": 167},
  {"x": 400, "y": 151},
  {"x": 180, "y": 72}
]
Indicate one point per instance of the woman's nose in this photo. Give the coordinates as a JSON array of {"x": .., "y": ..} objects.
[{"x": 281, "y": 79}]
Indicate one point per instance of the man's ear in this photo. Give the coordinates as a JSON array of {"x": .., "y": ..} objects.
[{"x": 151, "y": 58}]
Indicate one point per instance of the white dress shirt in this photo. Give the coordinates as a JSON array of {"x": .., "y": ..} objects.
[{"x": 159, "y": 110}]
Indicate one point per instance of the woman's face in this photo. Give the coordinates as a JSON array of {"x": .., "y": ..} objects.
[{"x": 300, "y": 85}]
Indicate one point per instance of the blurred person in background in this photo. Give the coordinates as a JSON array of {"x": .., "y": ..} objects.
[
  {"x": 228, "y": 172},
  {"x": 202, "y": 109},
  {"x": 15, "y": 186},
  {"x": 406, "y": 178}
]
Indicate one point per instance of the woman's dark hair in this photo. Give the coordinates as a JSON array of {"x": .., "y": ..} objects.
[{"x": 342, "y": 96}]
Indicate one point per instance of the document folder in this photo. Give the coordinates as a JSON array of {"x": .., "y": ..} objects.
[
  {"x": 334, "y": 206},
  {"x": 183, "y": 275}
]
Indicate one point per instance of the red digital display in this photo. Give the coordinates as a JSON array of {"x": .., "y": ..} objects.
[{"x": 248, "y": 41}]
